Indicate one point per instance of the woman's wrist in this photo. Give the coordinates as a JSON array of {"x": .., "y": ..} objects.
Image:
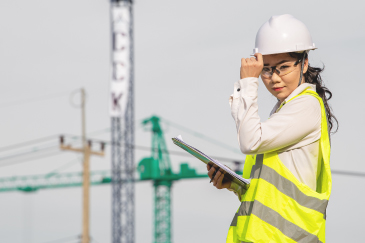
[{"x": 233, "y": 187}]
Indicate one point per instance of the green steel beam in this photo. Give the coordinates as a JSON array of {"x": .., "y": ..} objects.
[
  {"x": 32, "y": 183},
  {"x": 35, "y": 182}
]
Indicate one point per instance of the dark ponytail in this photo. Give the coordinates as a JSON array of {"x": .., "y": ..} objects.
[{"x": 313, "y": 76}]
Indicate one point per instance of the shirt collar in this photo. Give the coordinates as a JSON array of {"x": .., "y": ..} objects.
[
  {"x": 297, "y": 91},
  {"x": 300, "y": 89}
]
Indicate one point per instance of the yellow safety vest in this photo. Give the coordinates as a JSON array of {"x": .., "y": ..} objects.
[{"x": 277, "y": 207}]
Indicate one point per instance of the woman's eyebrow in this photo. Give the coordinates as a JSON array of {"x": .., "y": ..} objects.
[{"x": 277, "y": 63}]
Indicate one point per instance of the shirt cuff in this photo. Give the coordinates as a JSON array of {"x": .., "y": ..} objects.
[
  {"x": 249, "y": 87},
  {"x": 234, "y": 186},
  {"x": 237, "y": 189},
  {"x": 246, "y": 86}
]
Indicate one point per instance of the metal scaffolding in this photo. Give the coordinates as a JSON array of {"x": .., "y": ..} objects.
[
  {"x": 122, "y": 122},
  {"x": 162, "y": 217}
]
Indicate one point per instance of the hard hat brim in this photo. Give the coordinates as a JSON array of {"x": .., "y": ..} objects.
[{"x": 280, "y": 52}]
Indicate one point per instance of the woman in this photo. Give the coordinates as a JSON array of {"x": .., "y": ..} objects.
[{"x": 287, "y": 155}]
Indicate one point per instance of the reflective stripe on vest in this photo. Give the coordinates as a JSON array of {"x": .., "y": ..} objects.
[{"x": 279, "y": 208}]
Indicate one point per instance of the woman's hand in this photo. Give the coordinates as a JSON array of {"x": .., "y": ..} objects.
[
  {"x": 218, "y": 178},
  {"x": 252, "y": 67}
]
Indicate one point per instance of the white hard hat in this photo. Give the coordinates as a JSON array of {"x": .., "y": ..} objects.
[{"x": 281, "y": 34}]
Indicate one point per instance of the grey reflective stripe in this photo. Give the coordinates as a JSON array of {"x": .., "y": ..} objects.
[
  {"x": 234, "y": 220},
  {"x": 245, "y": 208},
  {"x": 253, "y": 169},
  {"x": 289, "y": 188},
  {"x": 256, "y": 168},
  {"x": 273, "y": 218}
]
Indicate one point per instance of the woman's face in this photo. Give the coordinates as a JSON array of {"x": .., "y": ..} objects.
[{"x": 283, "y": 84}]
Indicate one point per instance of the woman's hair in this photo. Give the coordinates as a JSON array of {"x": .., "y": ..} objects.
[{"x": 313, "y": 76}]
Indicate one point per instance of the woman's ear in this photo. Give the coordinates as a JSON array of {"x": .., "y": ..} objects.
[{"x": 305, "y": 68}]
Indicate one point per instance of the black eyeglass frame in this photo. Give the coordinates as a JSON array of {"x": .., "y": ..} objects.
[{"x": 273, "y": 68}]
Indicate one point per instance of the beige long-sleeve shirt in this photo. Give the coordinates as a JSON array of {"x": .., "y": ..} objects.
[{"x": 293, "y": 131}]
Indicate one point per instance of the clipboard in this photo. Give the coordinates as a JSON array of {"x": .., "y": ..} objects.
[{"x": 228, "y": 173}]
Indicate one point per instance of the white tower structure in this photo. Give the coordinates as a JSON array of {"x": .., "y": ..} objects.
[{"x": 122, "y": 121}]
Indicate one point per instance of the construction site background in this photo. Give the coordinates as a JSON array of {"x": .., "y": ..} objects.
[{"x": 187, "y": 57}]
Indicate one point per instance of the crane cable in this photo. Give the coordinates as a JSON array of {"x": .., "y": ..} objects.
[
  {"x": 19, "y": 145},
  {"x": 37, "y": 149},
  {"x": 29, "y": 100},
  {"x": 201, "y": 136},
  {"x": 63, "y": 167},
  {"x": 74, "y": 237}
]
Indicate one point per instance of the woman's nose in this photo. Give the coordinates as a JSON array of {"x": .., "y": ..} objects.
[{"x": 275, "y": 78}]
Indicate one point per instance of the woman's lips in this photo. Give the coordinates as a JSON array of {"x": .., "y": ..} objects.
[{"x": 278, "y": 89}]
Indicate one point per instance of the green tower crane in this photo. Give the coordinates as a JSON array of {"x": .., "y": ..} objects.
[{"x": 158, "y": 169}]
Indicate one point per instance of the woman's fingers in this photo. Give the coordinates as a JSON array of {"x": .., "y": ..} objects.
[
  {"x": 243, "y": 61},
  {"x": 259, "y": 57},
  {"x": 211, "y": 172},
  {"x": 216, "y": 177},
  {"x": 218, "y": 184},
  {"x": 251, "y": 67}
]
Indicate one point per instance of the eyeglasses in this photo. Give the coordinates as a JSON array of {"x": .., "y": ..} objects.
[{"x": 280, "y": 70}]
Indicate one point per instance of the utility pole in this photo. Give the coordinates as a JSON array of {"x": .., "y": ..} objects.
[{"x": 87, "y": 152}]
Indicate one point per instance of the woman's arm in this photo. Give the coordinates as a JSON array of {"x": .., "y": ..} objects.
[{"x": 298, "y": 121}]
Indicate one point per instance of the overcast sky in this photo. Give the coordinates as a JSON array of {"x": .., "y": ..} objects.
[{"x": 187, "y": 60}]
